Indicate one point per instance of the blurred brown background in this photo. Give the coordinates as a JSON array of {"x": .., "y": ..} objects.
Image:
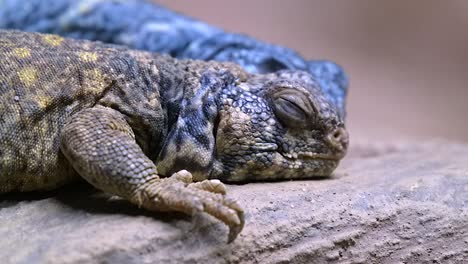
[{"x": 406, "y": 60}]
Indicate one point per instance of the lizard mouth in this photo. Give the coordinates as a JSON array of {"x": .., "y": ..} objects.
[
  {"x": 309, "y": 164},
  {"x": 302, "y": 155},
  {"x": 308, "y": 155}
]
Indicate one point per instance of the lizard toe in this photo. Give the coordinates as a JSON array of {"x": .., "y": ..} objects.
[
  {"x": 183, "y": 176},
  {"x": 172, "y": 194},
  {"x": 214, "y": 186}
]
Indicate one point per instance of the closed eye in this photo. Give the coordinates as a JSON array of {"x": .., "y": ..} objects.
[
  {"x": 292, "y": 108},
  {"x": 289, "y": 112}
]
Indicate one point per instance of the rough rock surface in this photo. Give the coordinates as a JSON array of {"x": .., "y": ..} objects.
[{"x": 387, "y": 203}]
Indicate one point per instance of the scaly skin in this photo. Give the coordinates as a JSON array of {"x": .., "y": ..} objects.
[{"x": 144, "y": 126}]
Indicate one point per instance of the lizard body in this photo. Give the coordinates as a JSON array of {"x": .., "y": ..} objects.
[{"x": 157, "y": 131}]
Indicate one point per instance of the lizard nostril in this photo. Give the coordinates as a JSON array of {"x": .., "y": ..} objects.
[
  {"x": 337, "y": 134},
  {"x": 339, "y": 138}
]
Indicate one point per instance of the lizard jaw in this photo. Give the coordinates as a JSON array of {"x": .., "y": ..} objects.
[
  {"x": 312, "y": 155},
  {"x": 303, "y": 155}
]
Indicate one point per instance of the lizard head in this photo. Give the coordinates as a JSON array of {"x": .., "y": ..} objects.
[{"x": 278, "y": 126}]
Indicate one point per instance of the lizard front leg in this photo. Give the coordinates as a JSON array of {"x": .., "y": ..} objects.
[{"x": 101, "y": 147}]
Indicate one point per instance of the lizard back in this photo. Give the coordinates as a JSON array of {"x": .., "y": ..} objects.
[{"x": 44, "y": 79}]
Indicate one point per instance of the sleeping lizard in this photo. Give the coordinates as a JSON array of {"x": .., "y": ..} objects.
[{"x": 159, "y": 132}]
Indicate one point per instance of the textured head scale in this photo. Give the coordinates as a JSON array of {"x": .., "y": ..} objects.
[{"x": 278, "y": 126}]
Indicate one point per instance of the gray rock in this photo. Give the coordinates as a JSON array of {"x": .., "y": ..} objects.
[{"x": 402, "y": 203}]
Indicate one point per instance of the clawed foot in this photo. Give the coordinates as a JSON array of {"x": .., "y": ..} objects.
[{"x": 179, "y": 193}]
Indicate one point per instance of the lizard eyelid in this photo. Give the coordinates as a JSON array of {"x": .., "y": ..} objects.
[{"x": 293, "y": 108}]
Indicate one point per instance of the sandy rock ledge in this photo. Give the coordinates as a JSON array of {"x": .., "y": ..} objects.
[{"x": 387, "y": 203}]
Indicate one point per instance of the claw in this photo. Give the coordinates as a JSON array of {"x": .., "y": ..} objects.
[
  {"x": 234, "y": 217},
  {"x": 177, "y": 193},
  {"x": 231, "y": 203},
  {"x": 234, "y": 230}
]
